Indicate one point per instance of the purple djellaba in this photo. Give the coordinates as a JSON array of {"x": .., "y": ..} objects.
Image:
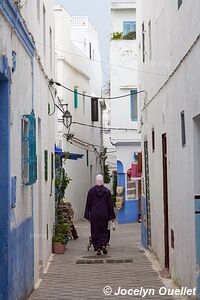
[{"x": 99, "y": 211}]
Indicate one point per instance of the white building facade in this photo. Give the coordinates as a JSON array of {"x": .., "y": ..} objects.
[
  {"x": 79, "y": 69},
  {"x": 125, "y": 110},
  {"x": 27, "y": 205},
  {"x": 169, "y": 65}
]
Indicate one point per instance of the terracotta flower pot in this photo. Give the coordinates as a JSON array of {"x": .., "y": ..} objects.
[{"x": 58, "y": 248}]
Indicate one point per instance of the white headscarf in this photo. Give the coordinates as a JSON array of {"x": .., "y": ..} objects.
[{"x": 99, "y": 180}]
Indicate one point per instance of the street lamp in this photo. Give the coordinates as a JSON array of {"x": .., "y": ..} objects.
[{"x": 67, "y": 117}]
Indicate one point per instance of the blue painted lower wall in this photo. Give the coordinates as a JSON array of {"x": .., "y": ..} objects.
[
  {"x": 21, "y": 261},
  {"x": 129, "y": 213}
]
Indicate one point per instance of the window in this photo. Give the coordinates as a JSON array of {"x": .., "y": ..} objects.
[
  {"x": 150, "y": 49},
  {"x": 94, "y": 110},
  {"x": 143, "y": 43},
  {"x": 29, "y": 158},
  {"x": 52, "y": 172},
  {"x": 179, "y": 3},
  {"x": 38, "y": 10},
  {"x": 134, "y": 105},
  {"x": 129, "y": 27},
  {"x": 46, "y": 165},
  {"x": 183, "y": 128},
  {"x": 52, "y": 166},
  {"x": 44, "y": 30},
  {"x": 75, "y": 97},
  {"x": 153, "y": 139},
  {"x": 90, "y": 50}
]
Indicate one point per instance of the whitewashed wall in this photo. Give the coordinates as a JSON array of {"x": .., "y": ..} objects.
[
  {"x": 77, "y": 70},
  {"x": 124, "y": 60},
  {"x": 45, "y": 127},
  {"x": 171, "y": 41}
]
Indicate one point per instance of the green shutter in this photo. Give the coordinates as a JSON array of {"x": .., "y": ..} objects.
[
  {"x": 75, "y": 98},
  {"x": 133, "y": 105}
]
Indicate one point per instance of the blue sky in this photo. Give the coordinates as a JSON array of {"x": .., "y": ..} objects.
[{"x": 98, "y": 12}]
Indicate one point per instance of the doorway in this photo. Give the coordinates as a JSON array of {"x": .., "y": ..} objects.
[
  {"x": 196, "y": 162},
  {"x": 165, "y": 200}
]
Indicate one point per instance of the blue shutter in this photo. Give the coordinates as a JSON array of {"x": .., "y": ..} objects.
[
  {"x": 29, "y": 158},
  {"x": 32, "y": 148},
  {"x": 129, "y": 27}
]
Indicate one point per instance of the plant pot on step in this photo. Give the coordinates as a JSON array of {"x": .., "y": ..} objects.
[
  {"x": 58, "y": 244},
  {"x": 58, "y": 248}
]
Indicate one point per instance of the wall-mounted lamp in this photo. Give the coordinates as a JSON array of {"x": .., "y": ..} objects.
[{"x": 67, "y": 117}]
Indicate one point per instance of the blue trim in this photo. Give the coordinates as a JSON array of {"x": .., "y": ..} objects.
[
  {"x": 4, "y": 175},
  {"x": 129, "y": 26},
  {"x": 11, "y": 13},
  {"x": 72, "y": 156},
  {"x": 120, "y": 167}
]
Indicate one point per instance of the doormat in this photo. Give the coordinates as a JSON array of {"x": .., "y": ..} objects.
[{"x": 103, "y": 261}]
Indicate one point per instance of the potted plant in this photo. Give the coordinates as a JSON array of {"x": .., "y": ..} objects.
[
  {"x": 58, "y": 243},
  {"x": 60, "y": 237}
]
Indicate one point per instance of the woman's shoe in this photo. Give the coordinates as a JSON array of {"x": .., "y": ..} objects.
[
  {"x": 99, "y": 252},
  {"x": 104, "y": 250}
]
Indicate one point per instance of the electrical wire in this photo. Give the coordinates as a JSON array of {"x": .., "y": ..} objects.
[
  {"x": 86, "y": 143},
  {"x": 101, "y": 61},
  {"x": 51, "y": 82},
  {"x": 104, "y": 128},
  {"x": 100, "y": 127},
  {"x": 80, "y": 147}
]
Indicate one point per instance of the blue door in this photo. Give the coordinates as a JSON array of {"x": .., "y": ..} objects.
[{"x": 4, "y": 175}]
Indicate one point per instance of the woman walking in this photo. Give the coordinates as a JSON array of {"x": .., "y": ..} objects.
[{"x": 99, "y": 211}]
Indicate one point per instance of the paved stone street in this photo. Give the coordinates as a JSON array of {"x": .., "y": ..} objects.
[{"x": 79, "y": 274}]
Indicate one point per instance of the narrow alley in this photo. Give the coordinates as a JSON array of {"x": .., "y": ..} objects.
[
  {"x": 99, "y": 123},
  {"x": 79, "y": 274}
]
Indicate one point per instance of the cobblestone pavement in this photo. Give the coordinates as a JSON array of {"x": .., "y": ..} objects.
[{"x": 80, "y": 274}]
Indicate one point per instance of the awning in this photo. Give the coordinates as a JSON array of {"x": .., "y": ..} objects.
[{"x": 67, "y": 155}]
